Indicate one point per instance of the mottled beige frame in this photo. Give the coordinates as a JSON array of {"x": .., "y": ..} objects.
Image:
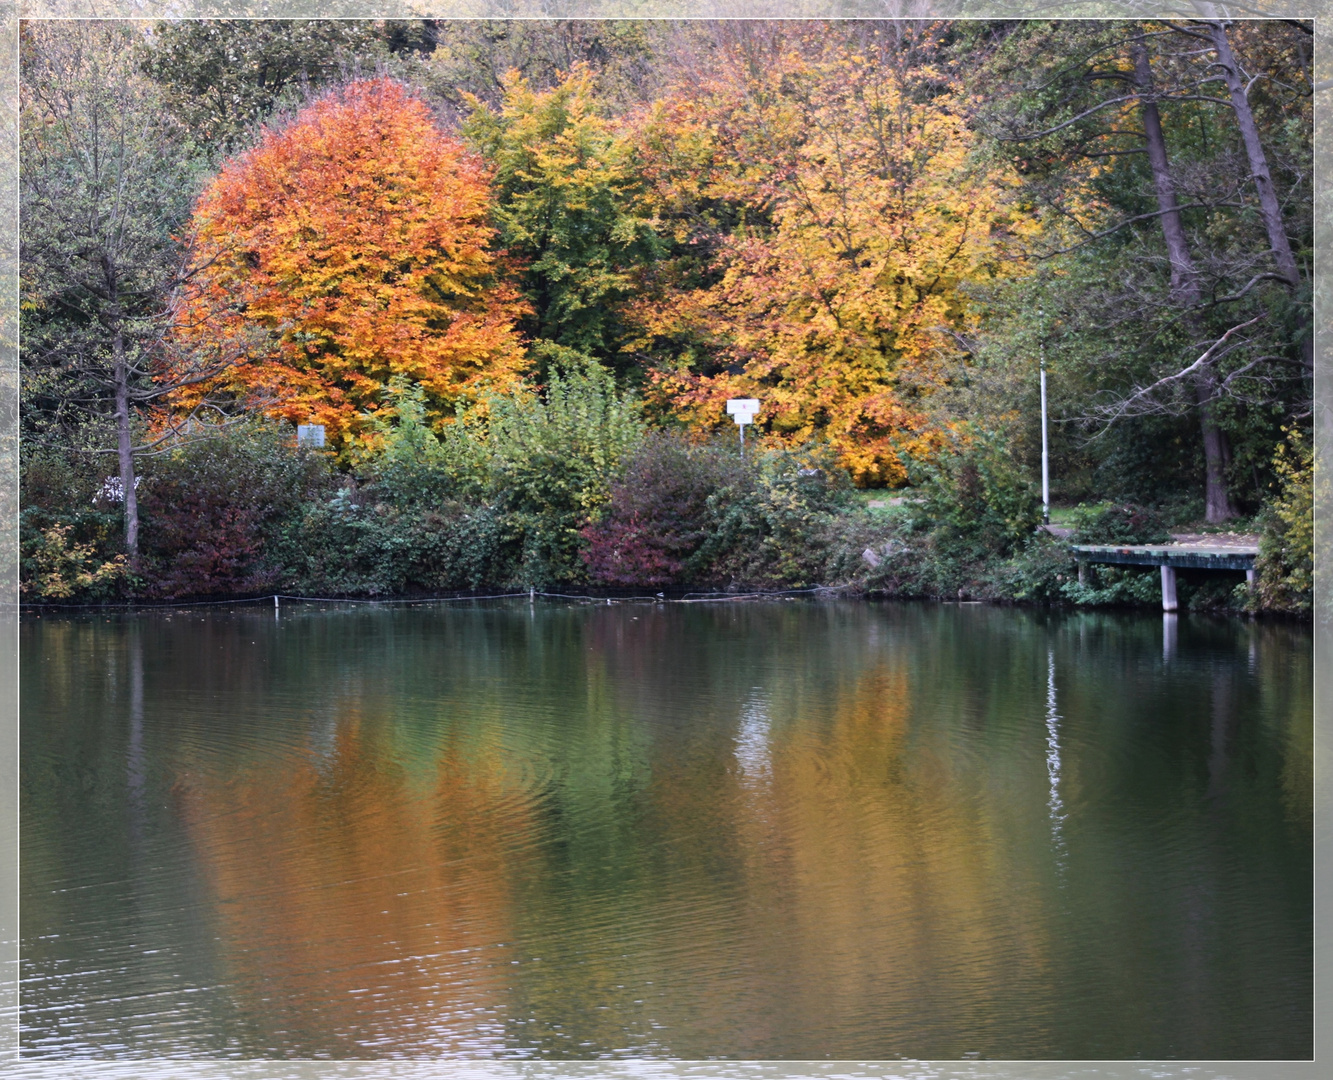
[{"x": 10, "y": 14}]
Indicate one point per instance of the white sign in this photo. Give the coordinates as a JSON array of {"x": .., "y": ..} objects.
[
  {"x": 309, "y": 434},
  {"x": 743, "y": 409}
]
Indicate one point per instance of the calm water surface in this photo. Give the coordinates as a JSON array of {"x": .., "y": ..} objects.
[{"x": 779, "y": 830}]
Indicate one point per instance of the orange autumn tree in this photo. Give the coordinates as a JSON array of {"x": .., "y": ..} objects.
[
  {"x": 347, "y": 248},
  {"x": 848, "y": 219}
]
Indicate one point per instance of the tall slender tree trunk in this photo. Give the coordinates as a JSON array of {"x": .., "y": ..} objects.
[
  {"x": 1184, "y": 290},
  {"x": 124, "y": 444},
  {"x": 1184, "y": 279},
  {"x": 1217, "y": 500},
  {"x": 1269, "y": 207}
]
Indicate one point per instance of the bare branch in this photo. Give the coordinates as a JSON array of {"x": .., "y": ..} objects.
[
  {"x": 1142, "y": 399},
  {"x": 1267, "y": 276},
  {"x": 1033, "y": 136},
  {"x": 1093, "y": 237}
]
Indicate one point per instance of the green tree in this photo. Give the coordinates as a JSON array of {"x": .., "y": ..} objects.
[
  {"x": 106, "y": 182},
  {"x": 222, "y": 77},
  {"x": 475, "y": 56},
  {"x": 569, "y": 205},
  {"x": 1172, "y": 289}
]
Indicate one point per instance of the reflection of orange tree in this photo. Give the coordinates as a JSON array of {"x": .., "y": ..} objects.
[
  {"x": 892, "y": 869},
  {"x": 356, "y": 905},
  {"x": 855, "y": 871}
]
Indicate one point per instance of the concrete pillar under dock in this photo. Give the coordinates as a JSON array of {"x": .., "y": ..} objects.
[{"x": 1168, "y": 588}]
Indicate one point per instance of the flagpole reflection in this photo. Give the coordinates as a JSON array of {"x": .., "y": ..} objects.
[{"x": 1054, "y": 805}]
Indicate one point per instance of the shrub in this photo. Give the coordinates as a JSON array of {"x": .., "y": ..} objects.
[
  {"x": 657, "y": 515},
  {"x": 1037, "y": 573},
  {"x": 1286, "y": 542},
  {"x": 1113, "y": 586},
  {"x": 57, "y": 567},
  {"x": 70, "y": 536},
  {"x": 350, "y": 546},
  {"x": 1110, "y": 523},
  {"x": 550, "y": 462},
  {"x": 774, "y": 522},
  {"x": 402, "y": 458},
  {"x": 500, "y": 496},
  {"x": 217, "y": 509},
  {"x": 697, "y": 513},
  {"x": 976, "y": 498},
  {"x": 59, "y": 484}
]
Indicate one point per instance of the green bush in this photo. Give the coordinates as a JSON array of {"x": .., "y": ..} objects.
[
  {"x": 775, "y": 522},
  {"x": 350, "y": 546},
  {"x": 1112, "y": 523},
  {"x": 406, "y": 462},
  {"x": 550, "y": 459},
  {"x": 498, "y": 497},
  {"x": 976, "y": 500},
  {"x": 71, "y": 535},
  {"x": 1036, "y": 574},
  {"x": 1286, "y": 542},
  {"x": 412, "y": 517},
  {"x": 1116, "y": 586}
]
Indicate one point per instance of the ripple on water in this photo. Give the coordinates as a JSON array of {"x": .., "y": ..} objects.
[{"x": 797, "y": 830}]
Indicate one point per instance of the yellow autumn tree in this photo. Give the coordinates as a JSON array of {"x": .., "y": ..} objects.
[
  {"x": 347, "y": 248},
  {"x": 858, "y": 217}
]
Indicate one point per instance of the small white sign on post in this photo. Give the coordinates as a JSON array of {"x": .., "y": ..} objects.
[
  {"x": 309, "y": 434},
  {"x": 743, "y": 410}
]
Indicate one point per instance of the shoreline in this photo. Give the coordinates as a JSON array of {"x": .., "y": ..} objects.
[{"x": 613, "y": 597}]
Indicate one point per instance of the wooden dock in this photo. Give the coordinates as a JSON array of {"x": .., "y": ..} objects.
[{"x": 1170, "y": 557}]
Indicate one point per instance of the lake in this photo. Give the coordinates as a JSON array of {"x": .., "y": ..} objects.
[{"x": 778, "y": 830}]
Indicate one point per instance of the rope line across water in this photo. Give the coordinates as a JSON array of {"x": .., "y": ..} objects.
[{"x": 687, "y": 598}]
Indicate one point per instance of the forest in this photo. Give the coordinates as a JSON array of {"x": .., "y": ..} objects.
[{"x": 512, "y": 272}]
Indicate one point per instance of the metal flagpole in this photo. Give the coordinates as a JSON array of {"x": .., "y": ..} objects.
[{"x": 1045, "y": 445}]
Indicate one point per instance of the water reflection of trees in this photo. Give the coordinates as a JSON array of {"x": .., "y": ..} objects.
[
  {"x": 350, "y": 921},
  {"x": 733, "y": 829}
]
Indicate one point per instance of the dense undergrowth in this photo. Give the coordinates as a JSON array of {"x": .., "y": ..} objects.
[{"x": 569, "y": 488}]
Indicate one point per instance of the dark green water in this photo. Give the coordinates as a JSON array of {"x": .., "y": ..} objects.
[{"x": 779, "y": 830}]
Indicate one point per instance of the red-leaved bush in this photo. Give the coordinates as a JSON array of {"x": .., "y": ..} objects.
[
  {"x": 658, "y": 514},
  {"x": 211, "y": 507}
]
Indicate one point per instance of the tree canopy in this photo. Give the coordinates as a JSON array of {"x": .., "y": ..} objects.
[
  {"x": 875, "y": 228},
  {"x": 356, "y": 241},
  {"x": 861, "y": 218}
]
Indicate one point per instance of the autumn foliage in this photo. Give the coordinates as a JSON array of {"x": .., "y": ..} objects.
[
  {"x": 854, "y": 218},
  {"x": 814, "y": 218},
  {"x": 349, "y": 247}
]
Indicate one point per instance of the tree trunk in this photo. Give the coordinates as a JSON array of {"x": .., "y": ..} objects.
[
  {"x": 1269, "y": 207},
  {"x": 1184, "y": 280},
  {"x": 1184, "y": 290},
  {"x": 1217, "y": 499},
  {"x": 124, "y": 445}
]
